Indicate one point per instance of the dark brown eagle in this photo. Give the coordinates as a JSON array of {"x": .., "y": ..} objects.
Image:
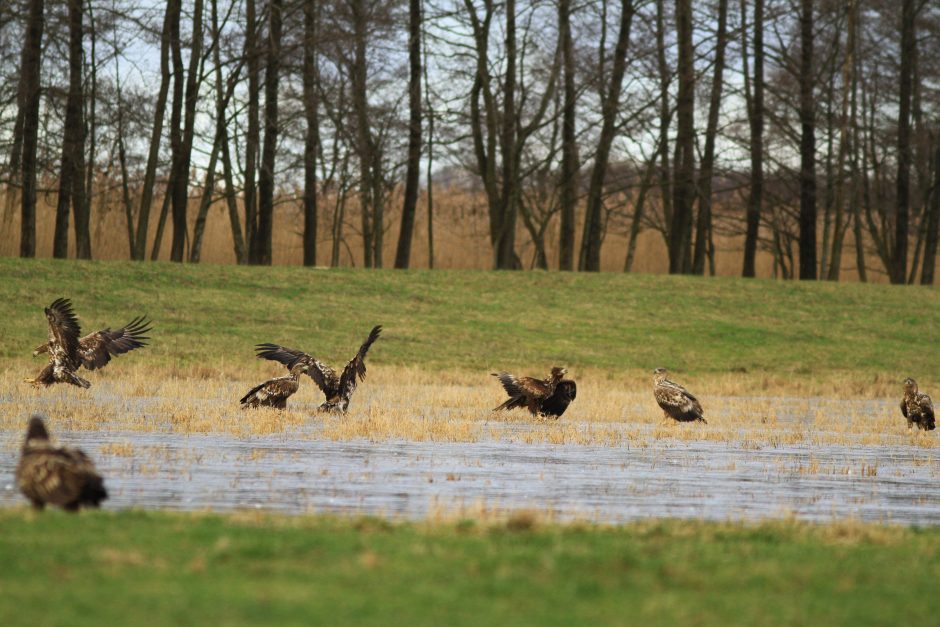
[
  {"x": 917, "y": 407},
  {"x": 63, "y": 476},
  {"x": 68, "y": 352},
  {"x": 545, "y": 397},
  {"x": 675, "y": 400},
  {"x": 337, "y": 389},
  {"x": 275, "y": 392}
]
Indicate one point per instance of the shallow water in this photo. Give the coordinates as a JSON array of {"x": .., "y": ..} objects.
[{"x": 411, "y": 480}]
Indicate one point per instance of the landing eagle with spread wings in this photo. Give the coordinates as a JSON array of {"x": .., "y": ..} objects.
[
  {"x": 917, "y": 407},
  {"x": 676, "y": 401},
  {"x": 545, "y": 397},
  {"x": 68, "y": 352},
  {"x": 275, "y": 392},
  {"x": 50, "y": 475},
  {"x": 337, "y": 389}
]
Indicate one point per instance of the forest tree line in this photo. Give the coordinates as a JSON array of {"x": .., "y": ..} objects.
[{"x": 807, "y": 129}]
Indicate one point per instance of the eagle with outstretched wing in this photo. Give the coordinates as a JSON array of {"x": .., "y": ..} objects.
[
  {"x": 676, "y": 401},
  {"x": 63, "y": 476},
  {"x": 337, "y": 389},
  {"x": 63, "y": 347},
  {"x": 544, "y": 397},
  {"x": 275, "y": 392},
  {"x": 917, "y": 407}
]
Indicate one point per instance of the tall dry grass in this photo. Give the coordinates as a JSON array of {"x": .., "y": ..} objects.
[{"x": 461, "y": 237}]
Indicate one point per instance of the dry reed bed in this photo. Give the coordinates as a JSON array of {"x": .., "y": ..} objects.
[{"x": 746, "y": 411}]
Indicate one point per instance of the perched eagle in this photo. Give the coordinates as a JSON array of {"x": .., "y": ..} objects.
[
  {"x": 275, "y": 392},
  {"x": 546, "y": 397},
  {"x": 917, "y": 407},
  {"x": 675, "y": 400},
  {"x": 56, "y": 476},
  {"x": 93, "y": 351},
  {"x": 337, "y": 389}
]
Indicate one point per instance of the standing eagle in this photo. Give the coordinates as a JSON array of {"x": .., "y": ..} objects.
[
  {"x": 68, "y": 352},
  {"x": 675, "y": 400},
  {"x": 546, "y": 397},
  {"x": 275, "y": 392},
  {"x": 337, "y": 389},
  {"x": 917, "y": 407},
  {"x": 56, "y": 476}
]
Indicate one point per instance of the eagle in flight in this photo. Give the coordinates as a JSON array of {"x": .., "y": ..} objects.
[
  {"x": 336, "y": 388},
  {"x": 68, "y": 352},
  {"x": 275, "y": 392},
  {"x": 62, "y": 476},
  {"x": 676, "y": 402},
  {"x": 917, "y": 407},
  {"x": 545, "y": 397}
]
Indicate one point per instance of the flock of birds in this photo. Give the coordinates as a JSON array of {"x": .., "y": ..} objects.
[{"x": 65, "y": 476}]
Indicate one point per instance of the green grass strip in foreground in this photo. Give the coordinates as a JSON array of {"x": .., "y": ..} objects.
[
  {"x": 485, "y": 320},
  {"x": 135, "y": 568}
]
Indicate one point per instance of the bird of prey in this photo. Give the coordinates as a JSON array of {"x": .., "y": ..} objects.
[
  {"x": 52, "y": 475},
  {"x": 917, "y": 407},
  {"x": 545, "y": 397},
  {"x": 68, "y": 352},
  {"x": 275, "y": 392},
  {"x": 337, "y": 389},
  {"x": 675, "y": 400}
]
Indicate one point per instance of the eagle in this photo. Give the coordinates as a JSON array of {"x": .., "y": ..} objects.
[
  {"x": 545, "y": 397},
  {"x": 275, "y": 392},
  {"x": 917, "y": 407},
  {"x": 676, "y": 402},
  {"x": 68, "y": 352},
  {"x": 336, "y": 388},
  {"x": 52, "y": 475}
]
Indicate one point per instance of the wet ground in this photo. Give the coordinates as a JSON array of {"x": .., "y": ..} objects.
[{"x": 412, "y": 480}]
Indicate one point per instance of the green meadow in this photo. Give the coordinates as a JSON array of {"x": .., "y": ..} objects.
[
  {"x": 136, "y": 568},
  {"x": 473, "y": 320}
]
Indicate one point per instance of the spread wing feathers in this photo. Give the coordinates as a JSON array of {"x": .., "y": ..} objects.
[
  {"x": 324, "y": 376},
  {"x": 63, "y": 327},
  {"x": 525, "y": 386},
  {"x": 271, "y": 393},
  {"x": 96, "y": 349},
  {"x": 678, "y": 402},
  {"x": 356, "y": 368},
  {"x": 59, "y": 476}
]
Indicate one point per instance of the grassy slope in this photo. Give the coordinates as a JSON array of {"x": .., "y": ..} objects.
[
  {"x": 485, "y": 320},
  {"x": 160, "y": 568}
]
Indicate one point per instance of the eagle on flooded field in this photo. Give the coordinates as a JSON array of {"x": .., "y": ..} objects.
[
  {"x": 68, "y": 352},
  {"x": 917, "y": 407},
  {"x": 337, "y": 389},
  {"x": 63, "y": 476},
  {"x": 544, "y": 397},
  {"x": 275, "y": 392},
  {"x": 676, "y": 402}
]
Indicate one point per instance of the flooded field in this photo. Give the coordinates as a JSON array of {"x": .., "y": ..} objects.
[{"x": 300, "y": 472}]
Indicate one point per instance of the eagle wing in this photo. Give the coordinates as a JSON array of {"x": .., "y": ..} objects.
[
  {"x": 677, "y": 401},
  {"x": 356, "y": 368},
  {"x": 324, "y": 376},
  {"x": 63, "y": 330},
  {"x": 272, "y": 392},
  {"x": 96, "y": 349},
  {"x": 904, "y": 407}
]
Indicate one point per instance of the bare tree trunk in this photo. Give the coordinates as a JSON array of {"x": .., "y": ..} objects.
[
  {"x": 704, "y": 224},
  {"x": 590, "y": 256},
  {"x": 70, "y": 176},
  {"x": 429, "y": 175},
  {"x": 82, "y": 194},
  {"x": 638, "y": 212},
  {"x": 146, "y": 197},
  {"x": 569, "y": 147},
  {"x": 312, "y": 136},
  {"x": 933, "y": 221},
  {"x": 265, "y": 231},
  {"x": 899, "y": 269},
  {"x": 253, "y": 134},
  {"x": 807, "y": 146},
  {"x": 410, "y": 204},
  {"x": 756, "y": 119},
  {"x": 29, "y": 95},
  {"x": 161, "y": 225},
  {"x": 364, "y": 143},
  {"x": 680, "y": 229},
  {"x": 665, "y": 113},
  {"x": 506, "y": 239}
]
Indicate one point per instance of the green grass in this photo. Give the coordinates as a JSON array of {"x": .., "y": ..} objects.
[
  {"x": 472, "y": 320},
  {"x": 134, "y": 568}
]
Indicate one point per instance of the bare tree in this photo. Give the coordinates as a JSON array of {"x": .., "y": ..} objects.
[
  {"x": 410, "y": 204},
  {"x": 755, "y": 115},
  {"x": 28, "y": 100},
  {"x": 807, "y": 146},
  {"x": 683, "y": 194}
]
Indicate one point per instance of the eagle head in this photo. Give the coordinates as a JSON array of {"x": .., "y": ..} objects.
[
  {"x": 558, "y": 372},
  {"x": 659, "y": 374},
  {"x": 36, "y": 430},
  {"x": 910, "y": 385}
]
